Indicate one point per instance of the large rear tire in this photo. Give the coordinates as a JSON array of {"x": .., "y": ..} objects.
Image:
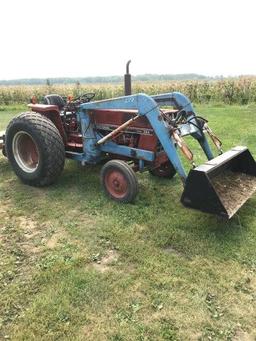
[{"x": 35, "y": 149}]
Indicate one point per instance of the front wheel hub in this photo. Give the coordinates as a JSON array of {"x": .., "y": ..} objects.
[{"x": 116, "y": 184}]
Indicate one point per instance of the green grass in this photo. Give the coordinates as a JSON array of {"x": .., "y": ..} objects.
[
  {"x": 77, "y": 266},
  {"x": 6, "y": 112}
]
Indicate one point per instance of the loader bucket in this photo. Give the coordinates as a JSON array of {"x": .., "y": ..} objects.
[{"x": 223, "y": 184}]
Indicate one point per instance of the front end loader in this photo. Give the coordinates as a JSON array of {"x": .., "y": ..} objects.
[{"x": 129, "y": 134}]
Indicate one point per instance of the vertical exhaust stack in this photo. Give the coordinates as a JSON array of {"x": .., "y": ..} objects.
[{"x": 127, "y": 81}]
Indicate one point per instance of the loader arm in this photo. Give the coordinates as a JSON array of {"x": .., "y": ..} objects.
[
  {"x": 181, "y": 102},
  {"x": 149, "y": 106},
  {"x": 146, "y": 106},
  {"x": 220, "y": 186}
]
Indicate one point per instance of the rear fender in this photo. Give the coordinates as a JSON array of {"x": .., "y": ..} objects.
[{"x": 52, "y": 112}]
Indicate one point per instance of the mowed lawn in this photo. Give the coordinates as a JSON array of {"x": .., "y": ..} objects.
[{"x": 75, "y": 265}]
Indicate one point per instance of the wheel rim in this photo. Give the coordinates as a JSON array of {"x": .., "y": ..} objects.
[
  {"x": 116, "y": 184},
  {"x": 25, "y": 152},
  {"x": 163, "y": 170}
]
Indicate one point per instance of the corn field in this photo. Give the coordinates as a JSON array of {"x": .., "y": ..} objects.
[{"x": 229, "y": 91}]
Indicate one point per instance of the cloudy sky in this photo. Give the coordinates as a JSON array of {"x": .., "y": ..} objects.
[{"x": 79, "y": 38}]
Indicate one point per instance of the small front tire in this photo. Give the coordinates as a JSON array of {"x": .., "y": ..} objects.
[{"x": 119, "y": 181}]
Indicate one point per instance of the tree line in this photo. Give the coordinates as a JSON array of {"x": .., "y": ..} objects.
[{"x": 105, "y": 79}]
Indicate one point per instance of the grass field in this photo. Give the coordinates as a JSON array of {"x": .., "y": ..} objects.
[{"x": 77, "y": 266}]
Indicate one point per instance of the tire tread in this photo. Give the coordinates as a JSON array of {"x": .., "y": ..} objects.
[{"x": 50, "y": 141}]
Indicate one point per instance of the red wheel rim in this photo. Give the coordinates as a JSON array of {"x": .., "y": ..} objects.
[
  {"x": 25, "y": 152},
  {"x": 116, "y": 183}
]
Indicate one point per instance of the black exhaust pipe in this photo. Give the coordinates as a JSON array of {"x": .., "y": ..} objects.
[{"x": 127, "y": 81}]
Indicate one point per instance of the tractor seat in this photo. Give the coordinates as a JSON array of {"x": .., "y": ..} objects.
[{"x": 54, "y": 99}]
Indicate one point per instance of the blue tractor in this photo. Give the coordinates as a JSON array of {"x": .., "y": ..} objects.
[{"x": 133, "y": 133}]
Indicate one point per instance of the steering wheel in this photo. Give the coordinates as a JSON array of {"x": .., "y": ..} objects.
[{"x": 85, "y": 97}]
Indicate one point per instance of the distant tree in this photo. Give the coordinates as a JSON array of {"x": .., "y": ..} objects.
[{"x": 107, "y": 79}]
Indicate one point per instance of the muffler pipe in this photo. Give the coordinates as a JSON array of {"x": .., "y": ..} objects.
[{"x": 127, "y": 81}]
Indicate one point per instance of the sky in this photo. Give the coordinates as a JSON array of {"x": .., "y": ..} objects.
[{"x": 80, "y": 38}]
